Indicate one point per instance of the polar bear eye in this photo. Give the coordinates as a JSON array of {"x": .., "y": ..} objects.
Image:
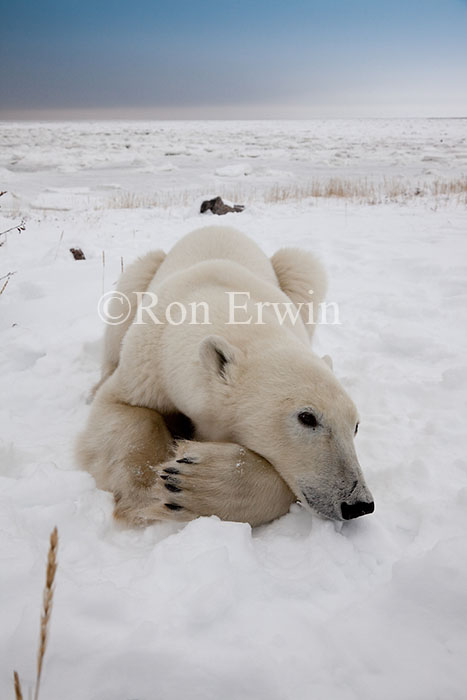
[
  {"x": 356, "y": 428},
  {"x": 308, "y": 418}
]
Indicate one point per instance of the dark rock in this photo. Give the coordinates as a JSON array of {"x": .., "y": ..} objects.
[
  {"x": 77, "y": 253},
  {"x": 218, "y": 207}
]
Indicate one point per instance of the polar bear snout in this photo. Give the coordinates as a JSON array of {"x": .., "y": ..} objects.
[
  {"x": 355, "y": 510},
  {"x": 337, "y": 503},
  {"x": 358, "y": 502}
]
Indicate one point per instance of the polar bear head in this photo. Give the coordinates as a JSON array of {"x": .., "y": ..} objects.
[{"x": 284, "y": 402}]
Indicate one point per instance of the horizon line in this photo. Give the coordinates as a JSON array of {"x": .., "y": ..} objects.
[{"x": 57, "y": 119}]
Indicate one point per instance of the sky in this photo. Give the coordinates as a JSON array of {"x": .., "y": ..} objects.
[{"x": 236, "y": 59}]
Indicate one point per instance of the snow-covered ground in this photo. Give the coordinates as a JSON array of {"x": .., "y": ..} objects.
[{"x": 302, "y": 608}]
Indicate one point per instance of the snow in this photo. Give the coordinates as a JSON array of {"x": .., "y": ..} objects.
[{"x": 300, "y": 608}]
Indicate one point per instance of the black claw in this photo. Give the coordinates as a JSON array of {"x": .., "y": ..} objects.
[
  {"x": 185, "y": 460},
  {"x": 173, "y": 506},
  {"x": 164, "y": 476},
  {"x": 171, "y": 487},
  {"x": 171, "y": 470}
]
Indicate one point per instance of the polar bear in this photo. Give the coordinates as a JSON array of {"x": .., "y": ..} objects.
[{"x": 271, "y": 423}]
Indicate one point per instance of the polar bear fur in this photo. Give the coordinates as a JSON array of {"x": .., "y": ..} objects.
[{"x": 244, "y": 386}]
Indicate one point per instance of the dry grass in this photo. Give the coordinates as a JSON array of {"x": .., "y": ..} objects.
[
  {"x": 7, "y": 279},
  {"x": 441, "y": 188},
  {"x": 162, "y": 200},
  {"x": 18, "y": 693},
  {"x": 17, "y": 227},
  {"x": 47, "y": 606},
  {"x": 4, "y": 286},
  {"x": 46, "y": 613},
  {"x": 362, "y": 191},
  {"x": 368, "y": 192}
]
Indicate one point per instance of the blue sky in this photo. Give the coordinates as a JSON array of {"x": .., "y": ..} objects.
[{"x": 294, "y": 58}]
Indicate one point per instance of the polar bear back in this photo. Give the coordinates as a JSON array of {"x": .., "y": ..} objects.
[{"x": 216, "y": 243}]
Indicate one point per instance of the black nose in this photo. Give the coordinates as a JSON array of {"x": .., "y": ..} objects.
[{"x": 355, "y": 510}]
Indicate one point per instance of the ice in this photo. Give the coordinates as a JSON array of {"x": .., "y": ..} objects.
[
  {"x": 300, "y": 608},
  {"x": 234, "y": 170}
]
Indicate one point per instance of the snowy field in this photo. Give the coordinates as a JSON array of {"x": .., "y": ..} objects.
[{"x": 301, "y": 609}]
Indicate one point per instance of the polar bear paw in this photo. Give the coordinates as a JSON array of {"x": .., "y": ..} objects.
[
  {"x": 223, "y": 479},
  {"x": 203, "y": 478}
]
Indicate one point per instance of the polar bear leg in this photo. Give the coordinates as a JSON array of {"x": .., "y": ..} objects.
[
  {"x": 298, "y": 272},
  {"x": 121, "y": 446},
  {"x": 131, "y": 453},
  {"x": 227, "y": 480},
  {"x": 135, "y": 278}
]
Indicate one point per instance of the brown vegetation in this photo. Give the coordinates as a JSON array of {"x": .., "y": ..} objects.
[
  {"x": 46, "y": 613},
  {"x": 361, "y": 191}
]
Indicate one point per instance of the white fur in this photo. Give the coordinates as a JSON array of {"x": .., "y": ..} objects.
[{"x": 242, "y": 386}]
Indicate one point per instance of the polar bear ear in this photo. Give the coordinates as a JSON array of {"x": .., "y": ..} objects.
[
  {"x": 218, "y": 356},
  {"x": 328, "y": 360}
]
